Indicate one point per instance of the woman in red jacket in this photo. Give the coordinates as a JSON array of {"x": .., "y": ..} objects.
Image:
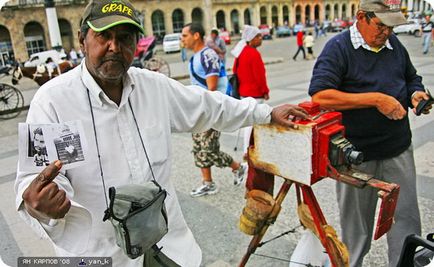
[{"x": 250, "y": 69}]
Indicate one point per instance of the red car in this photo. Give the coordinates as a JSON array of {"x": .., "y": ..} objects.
[
  {"x": 265, "y": 31},
  {"x": 225, "y": 36}
]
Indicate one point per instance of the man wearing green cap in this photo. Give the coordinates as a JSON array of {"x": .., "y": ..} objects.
[
  {"x": 121, "y": 107},
  {"x": 367, "y": 74}
]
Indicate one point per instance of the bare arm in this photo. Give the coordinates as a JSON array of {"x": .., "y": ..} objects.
[
  {"x": 338, "y": 100},
  {"x": 211, "y": 82}
]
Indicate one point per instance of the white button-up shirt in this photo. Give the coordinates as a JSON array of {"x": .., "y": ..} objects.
[{"x": 161, "y": 106}]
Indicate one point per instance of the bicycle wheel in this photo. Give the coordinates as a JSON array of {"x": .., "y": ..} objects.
[
  {"x": 11, "y": 101},
  {"x": 158, "y": 65}
]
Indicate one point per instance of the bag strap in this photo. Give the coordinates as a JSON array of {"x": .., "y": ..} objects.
[
  {"x": 197, "y": 77},
  {"x": 99, "y": 155}
]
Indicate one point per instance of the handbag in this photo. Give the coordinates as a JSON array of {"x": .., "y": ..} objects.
[
  {"x": 138, "y": 215},
  {"x": 234, "y": 82}
]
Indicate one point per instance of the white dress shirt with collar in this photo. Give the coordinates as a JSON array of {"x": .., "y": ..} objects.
[{"x": 161, "y": 106}]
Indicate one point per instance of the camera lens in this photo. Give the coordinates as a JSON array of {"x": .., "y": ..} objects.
[{"x": 352, "y": 156}]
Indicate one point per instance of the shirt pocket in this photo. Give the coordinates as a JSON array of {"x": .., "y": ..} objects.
[{"x": 156, "y": 144}]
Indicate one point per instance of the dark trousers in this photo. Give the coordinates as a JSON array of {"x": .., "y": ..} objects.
[{"x": 300, "y": 48}]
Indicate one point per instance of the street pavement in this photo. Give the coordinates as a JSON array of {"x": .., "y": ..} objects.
[{"x": 213, "y": 219}]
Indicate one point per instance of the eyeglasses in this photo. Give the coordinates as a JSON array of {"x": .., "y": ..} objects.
[{"x": 379, "y": 25}]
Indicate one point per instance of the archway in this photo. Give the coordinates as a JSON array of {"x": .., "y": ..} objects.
[
  {"x": 247, "y": 18},
  {"x": 263, "y": 15},
  {"x": 285, "y": 15},
  {"x": 220, "y": 17},
  {"x": 197, "y": 15},
  {"x": 158, "y": 27},
  {"x": 317, "y": 7},
  {"x": 307, "y": 19},
  {"x": 274, "y": 16},
  {"x": 66, "y": 34},
  {"x": 327, "y": 12},
  {"x": 34, "y": 37},
  {"x": 235, "y": 21},
  {"x": 353, "y": 11},
  {"x": 177, "y": 20},
  {"x": 6, "y": 51},
  {"x": 298, "y": 14},
  {"x": 336, "y": 11},
  {"x": 344, "y": 12}
]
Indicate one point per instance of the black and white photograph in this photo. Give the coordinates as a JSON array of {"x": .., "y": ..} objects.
[
  {"x": 36, "y": 146},
  {"x": 41, "y": 144},
  {"x": 68, "y": 145}
]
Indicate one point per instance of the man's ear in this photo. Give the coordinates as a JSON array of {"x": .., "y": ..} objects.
[
  {"x": 360, "y": 15},
  {"x": 81, "y": 41}
]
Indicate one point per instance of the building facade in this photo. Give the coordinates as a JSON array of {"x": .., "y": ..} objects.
[{"x": 24, "y": 25}]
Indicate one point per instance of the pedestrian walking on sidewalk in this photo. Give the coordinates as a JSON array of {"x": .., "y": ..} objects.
[
  {"x": 353, "y": 75},
  {"x": 250, "y": 70},
  {"x": 218, "y": 45},
  {"x": 205, "y": 69},
  {"x": 300, "y": 38},
  {"x": 308, "y": 43},
  {"x": 427, "y": 33}
]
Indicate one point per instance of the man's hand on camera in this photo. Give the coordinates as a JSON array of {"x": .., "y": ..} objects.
[
  {"x": 43, "y": 199},
  {"x": 390, "y": 107},
  {"x": 284, "y": 114},
  {"x": 419, "y": 96}
]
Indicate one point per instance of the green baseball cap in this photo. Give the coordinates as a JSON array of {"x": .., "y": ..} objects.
[{"x": 101, "y": 15}]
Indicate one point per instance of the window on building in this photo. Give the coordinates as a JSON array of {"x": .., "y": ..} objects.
[{"x": 177, "y": 20}]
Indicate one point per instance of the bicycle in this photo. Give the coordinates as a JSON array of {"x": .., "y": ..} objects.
[
  {"x": 11, "y": 98},
  {"x": 144, "y": 57}
]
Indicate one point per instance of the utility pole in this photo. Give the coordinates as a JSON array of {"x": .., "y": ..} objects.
[{"x": 53, "y": 24}]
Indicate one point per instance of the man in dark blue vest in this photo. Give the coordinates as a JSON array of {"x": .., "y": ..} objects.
[{"x": 366, "y": 73}]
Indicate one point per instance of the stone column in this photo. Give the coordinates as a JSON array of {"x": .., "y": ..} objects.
[
  {"x": 269, "y": 22},
  {"x": 148, "y": 23},
  {"x": 53, "y": 24},
  {"x": 291, "y": 11},
  {"x": 241, "y": 19},
  {"x": 168, "y": 25},
  {"x": 256, "y": 15},
  {"x": 209, "y": 16},
  {"x": 280, "y": 14},
  {"x": 228, "y": 21}
]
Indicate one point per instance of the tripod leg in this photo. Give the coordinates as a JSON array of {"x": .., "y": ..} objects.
[{"x": 274, "y": 213}]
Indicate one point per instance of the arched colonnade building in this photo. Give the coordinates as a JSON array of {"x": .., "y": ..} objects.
[{"x": 24, "y": 28}]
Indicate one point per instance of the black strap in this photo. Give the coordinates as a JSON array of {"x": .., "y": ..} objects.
[
  {"x": 197, "y": 77},
  {"x": 98, "y": 151}
]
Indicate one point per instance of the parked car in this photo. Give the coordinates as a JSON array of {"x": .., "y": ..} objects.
[
  {"x": 41, "y": 58},
  {"x": 225, "y": 36},
  {"x": 339, "y": 25},
  {"x": 297, "y": 27},
  {"x": 413, "y": 28},
  {"x": 172, "y": 42},
  {"x": 265, "y": 31},
  {"x": 283, "y": 31}
]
